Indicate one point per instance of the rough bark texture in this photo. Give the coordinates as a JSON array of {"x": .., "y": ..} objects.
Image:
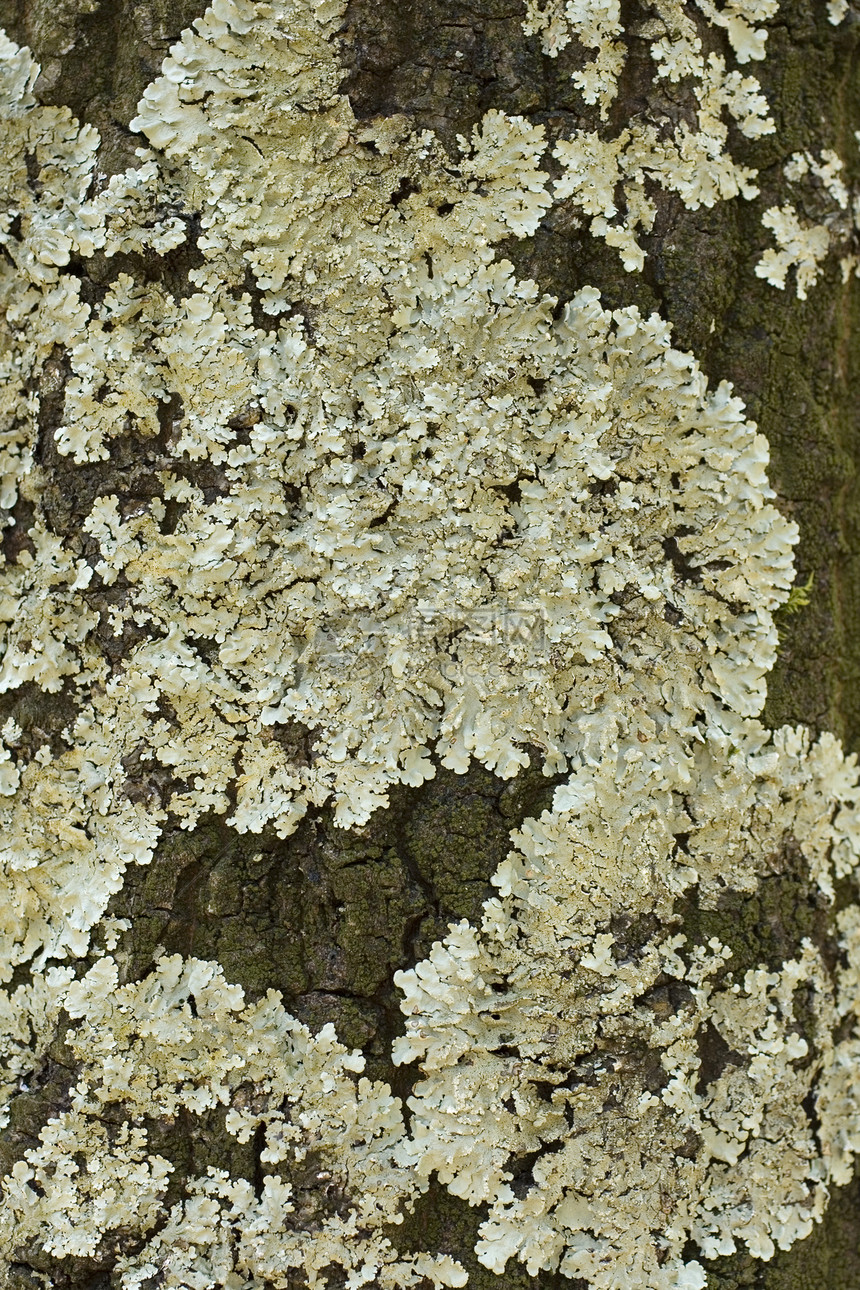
[{"x": 328, "y": 917}]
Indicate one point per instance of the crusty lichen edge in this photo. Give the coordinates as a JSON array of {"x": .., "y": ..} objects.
[{"x": 438, "y": 522}]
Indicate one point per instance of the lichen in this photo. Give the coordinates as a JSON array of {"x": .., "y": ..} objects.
[
  {"x": 336, "y": 546},
  {"x": 540, "y": 1038},
  {"x": 406, "y": 512},
  {"x": 661, "y": 150},
  {"x": 804, "y": 245},
  {"x": 182, "y": 1039}
]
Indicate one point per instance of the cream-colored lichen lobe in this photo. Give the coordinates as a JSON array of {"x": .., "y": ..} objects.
[
  {"x": 532, "y": 1030},
  {"x": 407, "y": 512},
  {"x": 804, "y": 244},
  {"x": 661, "y": 149}
]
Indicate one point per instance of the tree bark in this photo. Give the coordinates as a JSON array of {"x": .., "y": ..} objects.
[{"x": 328, "y": 916}]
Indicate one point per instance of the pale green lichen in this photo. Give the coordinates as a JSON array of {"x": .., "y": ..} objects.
[
  {"x": 421, "y": 517},
  {"x": 803, "y": 245},
  {"x": 419, "y": 498},
  {"x": 182, "y": 1039},
  {"x": 613, "y": 177},
  {"x": 531, "y": 1030},
  {"x": 658, "y": 151}
]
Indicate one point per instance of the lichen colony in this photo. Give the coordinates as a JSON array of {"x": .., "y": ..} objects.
[{"x": 409, "y": 513}]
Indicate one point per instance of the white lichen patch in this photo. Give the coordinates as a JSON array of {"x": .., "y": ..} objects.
[
  {"x": 651, "y": 1097},
  {"x": 802, "y": 247},
  {"x": 435, "y": 509},
  {"x": 803, "y": 244},
  {"x": 183, "y": 1040},
  {"x": 65, "y": 846},
  {"x": 402, "y": 510},
  {"x": 837, "y": 11},
  {"x": 613, "y": 177}
]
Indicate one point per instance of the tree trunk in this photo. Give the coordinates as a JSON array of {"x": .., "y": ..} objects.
[{"x": 324, "y": 914}]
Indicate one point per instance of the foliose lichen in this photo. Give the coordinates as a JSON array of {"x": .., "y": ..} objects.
[
  {"x": 660, "y": 150},
  {"x": 803, "y": 245},
  {"x": 409, "y": 512}
]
